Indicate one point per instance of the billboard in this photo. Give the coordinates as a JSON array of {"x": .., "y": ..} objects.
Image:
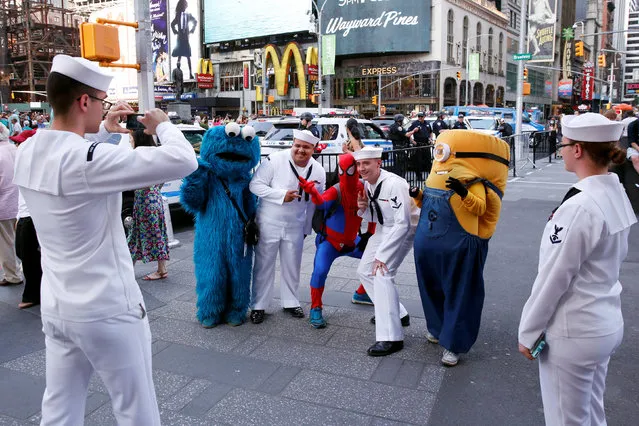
[
  {"x": 632, "y": 89},
  {"x": 378, "y": 26},
  {"x": 226, "y": 20},
  {"x": 184, "y": 36},
  {"x": 159, "y": 41},
  {"x": 541, "y": 30},
  {"x": 565, "y": 88}
]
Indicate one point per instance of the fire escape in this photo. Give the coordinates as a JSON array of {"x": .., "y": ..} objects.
[{"x": 32, "y": 32}]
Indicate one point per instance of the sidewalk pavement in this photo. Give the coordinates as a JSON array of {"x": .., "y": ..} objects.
[{"x": 285, "y": 372}]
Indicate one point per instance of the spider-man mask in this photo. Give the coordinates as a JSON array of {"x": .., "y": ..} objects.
[{"x": 348, "y": 176}]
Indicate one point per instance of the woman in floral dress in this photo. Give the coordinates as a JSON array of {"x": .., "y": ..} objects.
[{"x": 148, "y": 240}]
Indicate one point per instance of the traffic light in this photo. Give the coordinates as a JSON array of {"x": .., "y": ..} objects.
[
  {"x": 99, "y": 42},
  {"x": 579, "y": 48},
  {"x": 525, "y": 73},
  {"x": 458, "y": 75},
  {"x": 374, "y": 100},
  {"x": 601, "y": 60}
]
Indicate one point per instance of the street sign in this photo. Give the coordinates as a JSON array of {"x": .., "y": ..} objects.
[
  {"x": 612, "y": 78},
  {"x": 522, "y": 56},
  {"x": 318, "y": 92}
]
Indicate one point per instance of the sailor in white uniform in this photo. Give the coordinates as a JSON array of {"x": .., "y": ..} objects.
[
  {"x": 575, "y": 299},
  {"x": 93, "y": 314},
  {"x": 284, "y": 215},
  {"x": 385, "y": 201}
]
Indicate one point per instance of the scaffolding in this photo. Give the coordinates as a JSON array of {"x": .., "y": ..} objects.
[{"x": 32, "y": 32}]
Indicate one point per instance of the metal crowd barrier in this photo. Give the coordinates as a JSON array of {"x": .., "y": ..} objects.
[
  {"x": 409, "y": 163},
  {"x": 531, "y": 148}
]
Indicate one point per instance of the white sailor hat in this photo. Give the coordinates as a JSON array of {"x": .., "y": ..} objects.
[
  {"x": 368, "y": 152},
  {"x": 306, "y": 136},
  {"x": 82, "y": 70},
  {"x": 591, "y": 127}
]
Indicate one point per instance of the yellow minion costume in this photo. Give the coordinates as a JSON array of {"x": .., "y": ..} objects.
[{"x": 460, "y": 208}]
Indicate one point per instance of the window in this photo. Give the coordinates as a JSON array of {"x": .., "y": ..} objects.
[
  {"x": 232, "y": 77},
  {"x": 501, "y": 54},
  {"x": 449, "y": 38},
  {"x": 368, "y": 131},
  {"x": 478, "y": 48},
  {"x": 328, "y": 132},
  {"x": 490, "y": 51},
  {"x": 465, "y": 41}
]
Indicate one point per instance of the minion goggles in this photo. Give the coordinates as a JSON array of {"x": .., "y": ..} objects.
[{"x": 442, "y": 152}]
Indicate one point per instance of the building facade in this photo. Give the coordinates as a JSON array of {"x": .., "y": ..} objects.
[{"x": 415, "y": 48}]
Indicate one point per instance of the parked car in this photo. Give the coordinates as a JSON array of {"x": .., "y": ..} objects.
[
  {"x": 262, "y": 125},
  {"x": 384, "y": 122}
]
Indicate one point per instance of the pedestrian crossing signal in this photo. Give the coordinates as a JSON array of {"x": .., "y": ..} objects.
[
  {"x": 458, "y": 75},
  {"x": 579, "y": 48},
  {"x": 374, "y": 101},
  {"x": 99, "y": 42}
]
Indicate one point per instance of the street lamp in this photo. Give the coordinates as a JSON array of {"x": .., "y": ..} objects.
[
  {"x": 468, "y": 63},
  {"x": 319, "y": 53}
]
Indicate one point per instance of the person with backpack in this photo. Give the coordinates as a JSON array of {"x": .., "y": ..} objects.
[{"x": 337, "y": 226}]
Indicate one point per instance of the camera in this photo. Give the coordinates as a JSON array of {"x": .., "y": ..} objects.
[{"x": 132, "y": 122}]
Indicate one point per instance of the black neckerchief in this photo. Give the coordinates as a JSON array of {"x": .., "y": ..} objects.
[
  {"x": 374, "y": 205},
  {"x": 571, "y": 193},
  {"x": 297, "y": 176}
]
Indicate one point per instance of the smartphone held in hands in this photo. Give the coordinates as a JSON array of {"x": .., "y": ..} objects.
[
  {"x": 132, "y": 122},
  {"x": 539, "y": 346}
]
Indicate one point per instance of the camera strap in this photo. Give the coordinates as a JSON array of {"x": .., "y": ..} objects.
[{"x": 237, "y": 207}]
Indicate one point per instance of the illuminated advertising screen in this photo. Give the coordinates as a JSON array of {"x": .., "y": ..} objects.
[
  {"x": 159, "y": 41},
  {"x": 184, "y": 37},
  {"x": 378, "y": 26},
  {"x": 226, "y": 20}
]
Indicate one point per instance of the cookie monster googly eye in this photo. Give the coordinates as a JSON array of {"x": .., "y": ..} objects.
[
  {"x": 248, "y": 133},
  {"x": 232, "y": 129},
  {"x": 441, "y": 152}
]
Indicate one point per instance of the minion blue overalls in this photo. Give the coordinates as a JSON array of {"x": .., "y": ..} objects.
[{"x": 450, "y": 271}]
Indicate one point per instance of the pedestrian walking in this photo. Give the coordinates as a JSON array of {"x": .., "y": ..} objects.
[
  {"x": 8, "y": 211},
  {"x": 148, "y": 240},
  {"x": 386, "y": 202},
  {"x": 284, "y": 215},
  {"x": 93, "y": 313},
  {"x": 575, "y": 301}
]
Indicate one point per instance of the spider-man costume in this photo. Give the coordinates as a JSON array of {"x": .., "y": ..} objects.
[{"x": 341, "y": 230}]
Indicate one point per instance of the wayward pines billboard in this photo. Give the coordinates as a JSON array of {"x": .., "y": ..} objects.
[{"x": 382, "y": 26}]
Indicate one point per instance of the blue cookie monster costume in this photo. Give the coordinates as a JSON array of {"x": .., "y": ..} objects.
[{"x": 223, "y": 263}]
